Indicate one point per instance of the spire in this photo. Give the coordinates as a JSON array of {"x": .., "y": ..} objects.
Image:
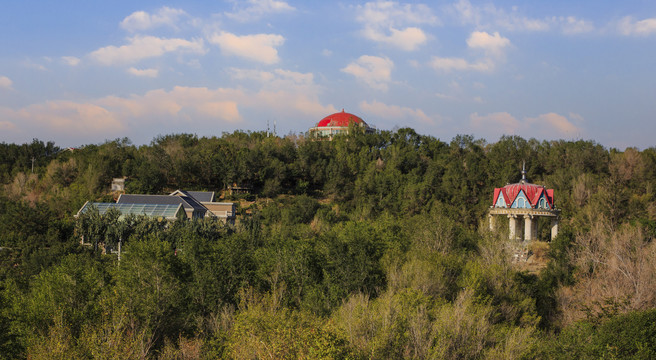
[{"x": 524, "y": 180}]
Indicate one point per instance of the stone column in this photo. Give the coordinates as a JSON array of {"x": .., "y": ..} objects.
[
  {"x": 491, "y": 219},
  {"x": 554, "y": 228},
  {"x": 512, "y": 227},
  {"x": 528, "y": 228},
  {"x": 515, "y": 227}
]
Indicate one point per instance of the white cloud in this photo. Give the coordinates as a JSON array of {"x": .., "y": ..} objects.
[
  {"x": 628, "y": 26},
  {"x": 5, "y": 83},
  {"x": 466, "y": 12},
  {"x": 7, "y": 126},
  {"x": 117, "y": 116},
  {"x": 290, "y": 103},
  {"x": 554, "y": 124},
  {"x": 181, "y": 104},
  {"x": 449, "y": 64},
  {"x": 279, "y": 79},
  {"x": 372, "y": 70},
  {"x": 491, "y": 17},
  {"x": 391, "y": 23},
  {"x": 143, "y": 47},
  {"x": 576, "y": 117},
  {"x": 545, "y": 126},
  {"x": 281, "y": 92},
  {"x": 446, "y": 96},
  {"x": 458, "y": 64},
  {"x": 71, "y": 60},
  {"x": 259, "y": 47},
  {"x": 391, "y": 13},
  {"x": 496, "y": 123},
  {"x": 61, "y": 117},
  {"x": 151, "y": 73},
  {"x": 28, "y": 63},
  {"x": 492, "y": 44},
  {"x": 141, "y": 20},
  {"x": 407, "y": 39},
  {"x": 572, "y": 25},
  {"x": 394, "y": 112},
  {"x": 251, "y": 10},
  {"x": 250, "y": 74},
  {"x": 285, "y": 93},
  {"x": 302, "y": 79}
]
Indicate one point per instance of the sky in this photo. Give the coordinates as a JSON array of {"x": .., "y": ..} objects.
[{"x": 84, "y": 72}]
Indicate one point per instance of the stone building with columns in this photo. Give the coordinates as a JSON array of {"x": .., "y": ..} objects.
[{"x": 524, "y": 204}]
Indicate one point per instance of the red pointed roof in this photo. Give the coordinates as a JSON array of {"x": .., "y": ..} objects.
[
  {"x": 340, "y": 119},
  {"x": 531, "y": 191}
]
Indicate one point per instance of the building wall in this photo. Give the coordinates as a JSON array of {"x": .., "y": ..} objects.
[{"x": 224, "y": 211}]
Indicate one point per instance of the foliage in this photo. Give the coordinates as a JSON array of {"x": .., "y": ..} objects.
[
  {"x": 369, "y": 246},
  {"x": 629, "y": 336}
]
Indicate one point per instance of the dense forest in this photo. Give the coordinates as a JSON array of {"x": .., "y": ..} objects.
[{"x": 371, "y": 246}]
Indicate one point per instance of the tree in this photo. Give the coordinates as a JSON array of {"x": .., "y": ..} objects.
[{"x": 150, "y": 282}]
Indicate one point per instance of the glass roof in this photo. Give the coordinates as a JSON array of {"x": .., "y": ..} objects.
[{"x": 155, "y": 210}]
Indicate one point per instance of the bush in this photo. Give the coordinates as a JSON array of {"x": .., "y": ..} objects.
[{"x": 630, "y": 336}]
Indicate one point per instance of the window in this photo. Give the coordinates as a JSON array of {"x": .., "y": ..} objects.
[
  {"x": 521, "y": 203},
  {"x": 501, "y": 202}
]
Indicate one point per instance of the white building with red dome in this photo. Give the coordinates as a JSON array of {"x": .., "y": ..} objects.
[
  {"x": 527, "y": 202},
  {"x": 338, "y": 123}
]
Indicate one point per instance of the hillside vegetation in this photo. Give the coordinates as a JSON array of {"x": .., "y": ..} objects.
[{"x": 372, "y": 246}]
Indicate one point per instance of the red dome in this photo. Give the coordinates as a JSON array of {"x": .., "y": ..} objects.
[{"x": 340, "y": 119}]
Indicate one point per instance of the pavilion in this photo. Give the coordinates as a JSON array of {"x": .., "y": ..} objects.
[{"x": 527, "y": 202}]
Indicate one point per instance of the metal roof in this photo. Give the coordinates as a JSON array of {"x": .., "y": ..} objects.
[
  {"x": 199, "y": 196},
  {"x": 187, "y": 202},
  {"x": 169, "y": 211},
  {"x": 202, "y": 196}
]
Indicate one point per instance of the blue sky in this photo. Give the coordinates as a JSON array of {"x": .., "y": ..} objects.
[{"x": 80, "y": 72}]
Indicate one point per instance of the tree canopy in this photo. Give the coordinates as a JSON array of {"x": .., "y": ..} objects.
[{"x": 367, "y": 246}]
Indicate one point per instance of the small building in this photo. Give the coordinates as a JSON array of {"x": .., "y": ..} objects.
[
  {"x": 336, "y": 124},
  {"x": 118, "y": 185},
  {"x": 235, "y": 189},
  {"x": 524, "y": 204},
  {"x": 192, "y": 204}
]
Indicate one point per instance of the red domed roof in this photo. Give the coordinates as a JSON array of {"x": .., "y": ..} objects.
[{"x": 340, "y": 119}]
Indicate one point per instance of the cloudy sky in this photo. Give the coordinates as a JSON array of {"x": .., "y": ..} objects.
[{"x": 81, "y": 72}]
